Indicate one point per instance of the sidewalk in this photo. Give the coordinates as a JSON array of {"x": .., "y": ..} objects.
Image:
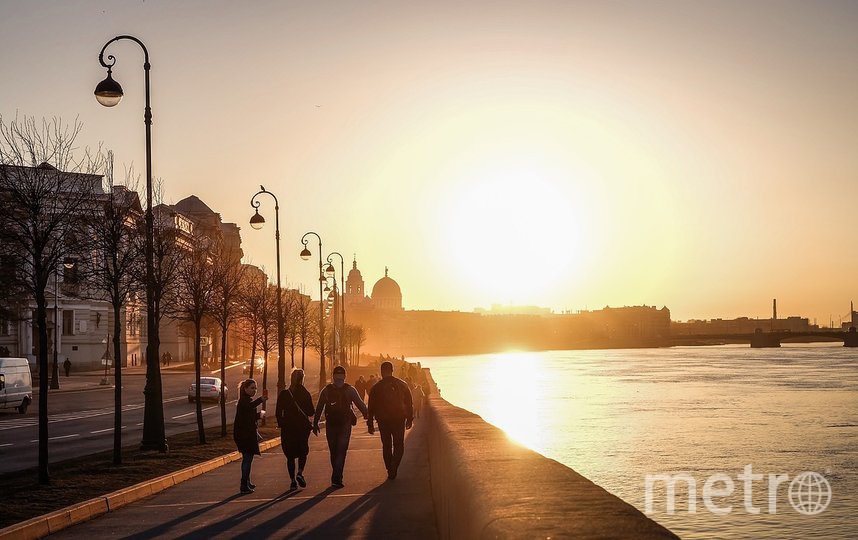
[{"x": 210, "y": 506}]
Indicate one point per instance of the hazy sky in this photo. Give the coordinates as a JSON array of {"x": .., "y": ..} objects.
[{"x": 699, "y": 155}]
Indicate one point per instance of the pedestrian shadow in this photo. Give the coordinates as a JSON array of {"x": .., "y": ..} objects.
[
  {"x": 163, "y": 528},
  {"x": 225, "y": 525},
  {"x": 385, "y": 511}
]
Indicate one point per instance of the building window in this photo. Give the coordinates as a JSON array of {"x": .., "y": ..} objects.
[
  {"x": 4, "y": 327},
  {"x": 68, "y": 322}
]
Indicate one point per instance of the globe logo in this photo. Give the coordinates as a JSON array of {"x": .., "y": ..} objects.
[{"x": 809, "y": 493}]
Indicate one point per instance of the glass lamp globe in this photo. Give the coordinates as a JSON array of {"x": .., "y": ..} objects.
[
  {"x": 305, "y": 254},
  {"x": 108, "y": 92},
  {"x": 257, "y": 221}
]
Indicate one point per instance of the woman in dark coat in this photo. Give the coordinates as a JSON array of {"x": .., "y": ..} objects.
[
  {"x": 294, "y": 406},
  {"x": 244, "y": 430}
]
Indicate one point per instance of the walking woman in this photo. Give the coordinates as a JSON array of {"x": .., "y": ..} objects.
[
  {"x": 294, "y": 406},
  {"x": 244, "y": 429}
]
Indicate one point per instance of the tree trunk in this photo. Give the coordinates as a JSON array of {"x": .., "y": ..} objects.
[
  {"x": 264, "y": 376},
  {"x": 42, "y": 328},
  {"x": 252, "y": 358},
  {"x": 117, "y": 390},
  {"x": 222, "y": 379},
  {"x": 201, "y": 430}
]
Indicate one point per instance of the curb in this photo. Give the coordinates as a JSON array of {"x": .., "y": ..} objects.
[{"x": 41, "y": 526}]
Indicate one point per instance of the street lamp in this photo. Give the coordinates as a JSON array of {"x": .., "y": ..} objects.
[
  {"x": 331, "y": 311},
  {"x": 305, "y": 254},
  {"x": 55, "y": 370},
  {"x": 109, "y": 93},
  {"x": 330, "y": 270},
  {"x": 257, "y": 221}
]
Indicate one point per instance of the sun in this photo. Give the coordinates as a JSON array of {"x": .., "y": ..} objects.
[{"x": 516, "y": 229}]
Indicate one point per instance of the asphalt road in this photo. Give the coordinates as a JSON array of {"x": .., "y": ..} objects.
[{"x": 81, "y": 421}]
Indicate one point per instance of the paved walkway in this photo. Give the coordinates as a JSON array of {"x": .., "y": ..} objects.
[{"x": 210, "y": 506}]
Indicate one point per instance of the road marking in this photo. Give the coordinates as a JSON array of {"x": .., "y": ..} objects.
[
  {"x": 78, "y": 415},
  {"x": 193, "y": 412},
  {"x": 58, "y": 438},
  {"x": 103, "y": 430}
]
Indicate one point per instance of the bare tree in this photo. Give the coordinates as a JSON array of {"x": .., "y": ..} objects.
[
  {"x": 303, "y": 321},
  {"x": 267, "y": 326},
  {"x": 194, "y": 301},
  {"x": 355, "y": 337},
  {"x": 169, "y": 244},
  {"x": 44, "y": 192},
  {"x": 227, "y": 278},
  {"x": 290, "y": 327},
  {"x": 251, "y": 300},
  {"x": 116, "y": 230}
]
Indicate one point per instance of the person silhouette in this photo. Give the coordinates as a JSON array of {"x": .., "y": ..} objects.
[
  {"x": 390, "y": 402},
  {"x": 336, "y": 401},
  {"x": 294, "y": 406}
]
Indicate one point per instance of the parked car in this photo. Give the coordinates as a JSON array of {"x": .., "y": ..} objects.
[
  {"x": 16, "y": 384},
  {"x": 209, "y": 389}
]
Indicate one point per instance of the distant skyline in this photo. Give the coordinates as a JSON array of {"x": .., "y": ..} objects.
[{"x": 571, "y": 155}]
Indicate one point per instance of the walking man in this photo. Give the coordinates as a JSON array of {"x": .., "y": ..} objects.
[
  {"x": 336, "y": 401},
  {"x": 390, "y": 403}
]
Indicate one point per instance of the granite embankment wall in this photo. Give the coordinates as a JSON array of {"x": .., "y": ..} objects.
[{"x": 486, "y": 486}]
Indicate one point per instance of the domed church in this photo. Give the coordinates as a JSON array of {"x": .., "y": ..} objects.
[{"x": 386, "y": 294}]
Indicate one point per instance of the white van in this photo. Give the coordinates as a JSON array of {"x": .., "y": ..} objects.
[{"x": 16, "y": 384}]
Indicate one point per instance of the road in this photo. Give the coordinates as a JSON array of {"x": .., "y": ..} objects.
[{"x": 81, "y": 420}]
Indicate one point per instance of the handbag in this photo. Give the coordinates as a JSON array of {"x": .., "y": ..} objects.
[{"x": 304, "y": 416}]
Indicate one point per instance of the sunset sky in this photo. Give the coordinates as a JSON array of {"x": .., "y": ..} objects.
[{"x": 571, "y": 155}]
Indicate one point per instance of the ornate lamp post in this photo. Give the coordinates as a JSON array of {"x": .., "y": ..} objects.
[
  {"x": 109, "y": 93},
  {"x": 257, "y": 221},
  {"x": 331, "y": 311},
  {"x": 330, "y": 271},
  {"x": 305, "y": 254}
]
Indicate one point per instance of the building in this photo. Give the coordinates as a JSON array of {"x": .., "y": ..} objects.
[{"x": 83, "y": 316}]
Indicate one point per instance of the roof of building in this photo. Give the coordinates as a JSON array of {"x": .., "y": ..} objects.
[{"x": 386, "y": 287}]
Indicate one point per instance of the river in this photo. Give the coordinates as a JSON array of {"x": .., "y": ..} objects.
[{"x": 617, "y": 416}]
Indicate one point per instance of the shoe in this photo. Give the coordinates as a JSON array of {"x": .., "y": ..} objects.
[
  {"x": 245, "y": 490},
  {"x": 301, "y": 481},
  {"x": 337, "y": 485},
  {"x": 293, "y": 486},
  {"x": 251, "y": 486}
]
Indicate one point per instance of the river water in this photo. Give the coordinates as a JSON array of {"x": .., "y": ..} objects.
[{"x": 616, "y": 416}]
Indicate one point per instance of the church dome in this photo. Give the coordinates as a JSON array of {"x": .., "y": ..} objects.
[{"x": 386, "y": 293}]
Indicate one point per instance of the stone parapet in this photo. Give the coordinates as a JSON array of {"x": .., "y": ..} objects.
[{"x": 486, "y": 486}]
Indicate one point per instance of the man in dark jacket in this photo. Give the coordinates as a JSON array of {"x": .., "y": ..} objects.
[
  {"x": 390, "y": 403},
  {"x": 336, "y": 401}
]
